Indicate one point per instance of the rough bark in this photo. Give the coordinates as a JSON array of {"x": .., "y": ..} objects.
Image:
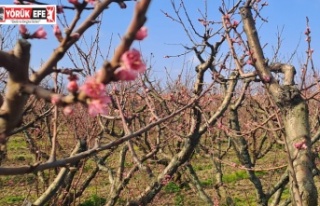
[
  {"x": 294, "y": 113},
  {"x": 16, "y": 63}
]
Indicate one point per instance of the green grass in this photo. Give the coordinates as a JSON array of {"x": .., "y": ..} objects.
[
  {"x": 94, "y": 200},
  {"x": 240, "y": 175},
  {"x": 18, "y": 151},
  {"x": 244, "y": 201},
  {"x": 202, "y": 167},
  {"x": 179, "y": 200},
  {"x": 285, "y": 194},
  {"x": 236, "y": 181},
  {"x": 17, "y": 143},
  {"x": 11, "y": 200},
  {"x": 235, "y": 176},
  {"x": 171, "y": 187},
  {"x": 208, "y": 182}
]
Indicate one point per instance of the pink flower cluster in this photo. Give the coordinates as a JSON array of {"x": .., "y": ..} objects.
[
  {"x": 56, "y": 99},
  {"x": 227, "y": 20},
  {"x": 142, "y": 33},
  {"x": 300, "y": 145},
  {"x": 40, "y": 33},
  {"x": 57, "y": 32},
  {"x": 97, "y": 104},
  {"x": 73, "y": 85},
  {"x": 131, "y": 62},
  {"x": 132, "y": 65},
  {"x": 99, "y": 99}
]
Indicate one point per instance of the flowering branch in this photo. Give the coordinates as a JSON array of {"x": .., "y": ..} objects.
[
  {"x": 48, "y": 67},
  {"x": 139, "y": 18},
  {"x": 64, "y": 162}
]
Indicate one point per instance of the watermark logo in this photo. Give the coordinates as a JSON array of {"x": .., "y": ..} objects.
[{"x": 28, "y": 14}]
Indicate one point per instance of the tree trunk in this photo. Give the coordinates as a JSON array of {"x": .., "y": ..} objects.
[
  {"x": 296, "y": 123},
  {"x": 294, "y": 114}
]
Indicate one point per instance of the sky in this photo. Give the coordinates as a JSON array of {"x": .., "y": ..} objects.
[{"x": 166, "y": 37}]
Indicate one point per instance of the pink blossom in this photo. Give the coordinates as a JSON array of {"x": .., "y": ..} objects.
[
  {"x": 166, "y": 179},
  {"x": 96, "y": 91},
  {"x": 92, "y": 88},
  {"x": 73, "y": 86},
  {"x": 152, "y": 118},
  {"x": 251, "y": 61},
  {"x": 57, "y": 32},
  {"x": 39, "y": 34},
  {"x": 132, "y": 60},
  {"x": 55, "y": 99},
  {"x": 60, "y": 10},
  {"x": 235, "y": 24},
  {"x": 68, "y": 110},
  {"x": 74, "y": 2},
  {"x": 266, "y": 78},
  {"x": 98, "y": 106},
  {"x": 227, "y": 19},
  {"x": 132, "y": 66},
  {"x": 23, "y": 29},
  {"x": 142, "y": 33},
  {"x": 300, "y": 145},
  {"x": 125, "y": 74}
]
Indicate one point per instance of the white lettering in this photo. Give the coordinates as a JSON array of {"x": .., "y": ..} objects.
[
  {"x": 7, "y": 12},
  {"x": 13, "y": 13},
  {"x": 39, "y": 13}
]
